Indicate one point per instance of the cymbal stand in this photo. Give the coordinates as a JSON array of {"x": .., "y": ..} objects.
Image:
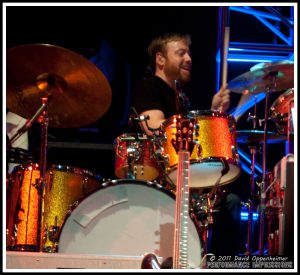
[
  {"x": 27, "y": 125},
  {"x": 253, "y": 151},
  {"x": 211, "y": 199},
  {"x": 44, "y": 120},
  {"x": 262, "y": 206}
]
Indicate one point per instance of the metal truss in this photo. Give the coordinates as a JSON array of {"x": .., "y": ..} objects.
[{"x": 279, "y": 48}]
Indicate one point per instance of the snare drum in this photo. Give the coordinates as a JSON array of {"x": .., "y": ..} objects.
[
  {"x": 22, "y": 208},
  {"x": 135, "y": 155},
  {"x": 65, "y": 187},
  {"x": 214, "y": 146},
  {"x": 127, "y": 217}
]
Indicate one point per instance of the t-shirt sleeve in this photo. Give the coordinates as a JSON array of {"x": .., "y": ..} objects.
[{"x": 146, "y": 97}]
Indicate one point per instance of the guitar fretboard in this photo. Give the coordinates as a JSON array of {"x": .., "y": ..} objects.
[{"x": 180, "y": 252}]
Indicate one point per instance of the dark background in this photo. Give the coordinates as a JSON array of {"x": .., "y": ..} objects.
[{"x": 128, "y": 31}]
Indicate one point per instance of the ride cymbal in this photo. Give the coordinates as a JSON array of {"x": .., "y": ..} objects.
[
  {"x": 275, "y": 76},
  {"x": 77, "y": 91}
]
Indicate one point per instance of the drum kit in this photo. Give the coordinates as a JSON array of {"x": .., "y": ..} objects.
[{"x": 66, "y": 209}]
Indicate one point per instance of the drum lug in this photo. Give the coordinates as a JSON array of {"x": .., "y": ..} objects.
[
  {"x": 135, "y": 171},
  {"x": 197, "y": 128},
  {"x": 231, "y": 124},
  {"x": 120, "y": 151},
  {"x": 53, "y": 233},
  {"x": 85, "y": 184},
  {"x": 235, "y": 153},
  {"x": 11, "y": 240},
  {"x": 50, "y": 182}
]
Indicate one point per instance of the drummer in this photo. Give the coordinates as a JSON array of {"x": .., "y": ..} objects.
[
  {"x": 159, "y": 95},
  {"x": 170, "y": 63}
]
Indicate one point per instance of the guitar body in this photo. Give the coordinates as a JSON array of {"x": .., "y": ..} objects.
[{"x": 180, "y": 248}]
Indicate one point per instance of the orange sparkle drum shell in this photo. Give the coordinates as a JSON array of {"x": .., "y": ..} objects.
[
  {"x": 65, "y": 186},
  {"x": 144, "y": 164},
  {"x": 22, "y": 208},
  {"x": 214, "y": 138}
]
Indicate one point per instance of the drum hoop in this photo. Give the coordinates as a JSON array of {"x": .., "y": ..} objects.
[
  {"x": 140, "y": 136},
  {"x": 22, "y": 167},
  {"x": 232, "y": 161},
  {"x": 210, "y": 159},
  {"x": 196, "y": 113},
  {"x": 74, "y": 170},
  {"x": 169, "y": 120}
]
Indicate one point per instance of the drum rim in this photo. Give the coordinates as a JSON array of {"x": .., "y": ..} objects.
[
  {"x": 192, "y": 114},
  {"x": 130, "y": 134},
  {"x": 211, "y": 159},
  {"x": 24, "y": 166},
  {"x": 195, "y": 113},
  {"x": 72, "y": 169}
]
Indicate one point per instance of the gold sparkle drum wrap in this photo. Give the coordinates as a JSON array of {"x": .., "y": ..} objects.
[
  {"x": 214, "y": 139},
  {"x": 65, "y": 187},
  {"x": 22, "y": 208}
]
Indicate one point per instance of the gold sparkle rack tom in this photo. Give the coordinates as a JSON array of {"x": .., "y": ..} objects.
[{"x": 214, "y": 139}]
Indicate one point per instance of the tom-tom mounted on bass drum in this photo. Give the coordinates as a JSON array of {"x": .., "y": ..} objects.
[
  {"x": 214, "y": 142},
  {"x": 135, "y": 157}
]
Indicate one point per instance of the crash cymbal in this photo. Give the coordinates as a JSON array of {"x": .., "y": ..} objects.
[
  {"x": 277, "y": 76},
  {"x": 257, "y": 137},
  {"x": 282, "y": 104},
  {"x": 78, "y": 92}
]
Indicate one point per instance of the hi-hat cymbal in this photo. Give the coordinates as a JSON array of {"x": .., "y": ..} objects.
[
  {"x": 78, "y": 92},
  {"x": 275, "y": 76},
  {"x": 257, "y": 137}
]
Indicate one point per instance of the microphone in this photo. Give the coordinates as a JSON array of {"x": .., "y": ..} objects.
[{"x": 140, "y": 118}]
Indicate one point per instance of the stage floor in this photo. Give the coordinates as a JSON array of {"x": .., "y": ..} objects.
[{"x": 40, "y": 260}]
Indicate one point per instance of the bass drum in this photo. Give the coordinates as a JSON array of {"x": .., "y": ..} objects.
[{"x": 127, "y": 217}]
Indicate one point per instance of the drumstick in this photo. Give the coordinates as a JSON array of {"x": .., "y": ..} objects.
[{"x": 225, "y": 55}]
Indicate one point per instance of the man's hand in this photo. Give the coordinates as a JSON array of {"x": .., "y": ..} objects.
[{"x": 221, "y": 100}]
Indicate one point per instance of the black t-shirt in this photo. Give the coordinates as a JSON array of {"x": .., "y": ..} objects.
[{"x": 154, "y": 93}]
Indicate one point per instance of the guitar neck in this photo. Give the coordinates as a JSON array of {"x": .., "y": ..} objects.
[{"x": 180, "y": 250}]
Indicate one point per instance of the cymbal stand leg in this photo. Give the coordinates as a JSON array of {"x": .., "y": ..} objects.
[
  {"x": 262, "y": 208},
  {"x": 43, "y": 167},
  {"x": 289, "y": 129},
  {"x": 253, "y": 151},
  {"x": 207, "y": 225}
]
